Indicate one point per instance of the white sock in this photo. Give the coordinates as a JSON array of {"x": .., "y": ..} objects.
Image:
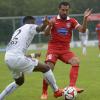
[
  {"x": 49, "y": 77},
  {"x": 9, "y": 89},
  {"x": 84, "y": 50}
]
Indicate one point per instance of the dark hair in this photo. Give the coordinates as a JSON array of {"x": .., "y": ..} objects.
[
  {"x": 27, "y": 18},
  {"x": 64, "y": 3}
]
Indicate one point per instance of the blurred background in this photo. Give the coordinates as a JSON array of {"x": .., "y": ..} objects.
[{"x": 12, "y": 12}]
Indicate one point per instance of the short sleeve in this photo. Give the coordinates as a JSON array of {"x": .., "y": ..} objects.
[
  {"x": 33, "y": 29},
  {"x": 75, "y": 23}
]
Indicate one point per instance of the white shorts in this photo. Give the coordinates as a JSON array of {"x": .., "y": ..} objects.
[{"x": 19, "y": 64}]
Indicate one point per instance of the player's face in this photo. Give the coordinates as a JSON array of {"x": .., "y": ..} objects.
[{"x": 63, "y": 11}]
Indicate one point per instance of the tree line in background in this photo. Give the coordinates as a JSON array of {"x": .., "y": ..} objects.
[{"x": 44, "y": 7}]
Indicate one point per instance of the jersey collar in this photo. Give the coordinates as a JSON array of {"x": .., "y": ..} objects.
[{"x": 68, "y": 18}]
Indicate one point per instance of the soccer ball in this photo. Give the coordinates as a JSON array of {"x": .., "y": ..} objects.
[{"x": 70, "y": 93}]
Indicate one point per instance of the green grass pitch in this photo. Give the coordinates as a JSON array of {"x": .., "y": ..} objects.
[{"x": 89, "y": 78}]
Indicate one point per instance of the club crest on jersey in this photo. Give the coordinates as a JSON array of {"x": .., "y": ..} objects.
[{"x": 68, "y": 25}]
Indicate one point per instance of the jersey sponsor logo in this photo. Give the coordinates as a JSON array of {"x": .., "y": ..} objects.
[{"x": 62, "y": 31}]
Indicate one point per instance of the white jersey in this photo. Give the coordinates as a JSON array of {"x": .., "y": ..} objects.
[{"x": 21, "y": 39}]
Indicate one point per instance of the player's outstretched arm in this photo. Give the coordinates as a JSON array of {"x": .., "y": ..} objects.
[
  {"x": 47, "y": 31},
  {"x": 83, "y": 27},
  {"x": 41, "y": 28}
]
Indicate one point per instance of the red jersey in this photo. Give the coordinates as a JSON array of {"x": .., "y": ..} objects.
[
  {"x": 98, "y": 31},
  {"x": 98, "y": 28},
  {"x": 61, "y": 33}
]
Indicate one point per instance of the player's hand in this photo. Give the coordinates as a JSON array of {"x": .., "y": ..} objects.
[
  {"x": 45, "y": 21},
  {"x": 87, "y": 13},
  {"x": 37, "y": 54},
  {"x": 51, "y": 22}
]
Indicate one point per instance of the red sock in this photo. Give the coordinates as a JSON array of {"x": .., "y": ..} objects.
[
  {"x": 73, "y": 75},
  {"x": 45, "y": 87}
]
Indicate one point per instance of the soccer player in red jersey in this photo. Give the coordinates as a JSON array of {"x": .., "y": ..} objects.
[
  {"x": 60, "y": 30},
  {"x": 98, "y": 32}
]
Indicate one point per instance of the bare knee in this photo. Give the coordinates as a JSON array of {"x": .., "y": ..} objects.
[{"x": 74, "y": 61}]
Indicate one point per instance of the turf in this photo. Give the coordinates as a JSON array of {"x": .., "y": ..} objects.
[{"x": 89, "y": 78}]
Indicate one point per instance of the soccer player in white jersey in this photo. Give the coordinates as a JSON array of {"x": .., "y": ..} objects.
[
  {"x": 84, "y": 39},
  {"x": 19, "y": 64}
]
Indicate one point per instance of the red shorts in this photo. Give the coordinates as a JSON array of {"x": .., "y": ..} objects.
[{"x": 64, "y": 56}]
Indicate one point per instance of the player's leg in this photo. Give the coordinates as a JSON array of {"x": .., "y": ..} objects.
[
  {"x": 50, "y": 60},
  {"x": 45, "y": 84},
  {"x": 83, "y": 45},
  {"x": 70, "y": 58},
  {"x": 11, "y": 61},
  {"x": 74, "y": 61},
  {"x": 12, "y": 86},
  {"x": 32, "y": 64},
  {"x": 49, "y": 77},
  {"x": 99, "y": 43},
  {"x": 84, "y": 51}
]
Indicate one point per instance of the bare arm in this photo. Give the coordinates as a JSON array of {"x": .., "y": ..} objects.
[
  {"x": 41, "y": 28},
  {"x": 47, "y": 30},
  {"x": 87, "y": 13}
]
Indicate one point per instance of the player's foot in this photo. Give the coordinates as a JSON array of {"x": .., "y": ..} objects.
[
  {"x": 58, "y": 93},
  {"x": 44, "y": 96},
  {"x": 79, "y": 90}
]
